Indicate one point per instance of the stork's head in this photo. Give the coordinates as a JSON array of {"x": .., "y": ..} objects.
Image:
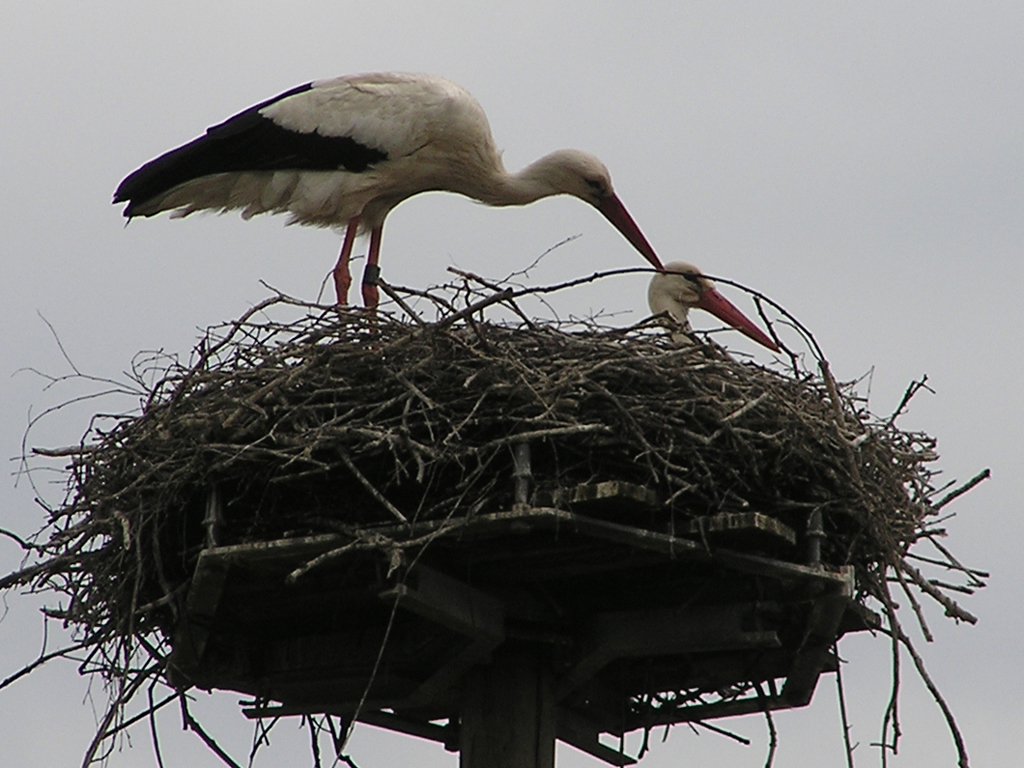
[
  {"x": 576, "y": 173},
  {"x": 682, "y": 287},
  {"x": 580, "y": 174}
]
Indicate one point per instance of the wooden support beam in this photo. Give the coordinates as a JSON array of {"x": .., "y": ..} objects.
[
  {"x": 635, "y": 634},
  {"x": 450, "y": 603},
  {"x": 393, "y": 721},
  {"x": 508, "y": 716},
  {"x": 477, "y": 620},
  {"x": 718, "y": 709},
  {"x": 449, "y": 674},
  {"x": 858, "y": 618},
  {"x": 459, "y": 607},
  {"x": 213, "y": 521},
  {"x": 578, "y": 731},
  {"x": 193, "y": 630},
  {"x": 811, "y": 659},
  {"x": 814, "y": 650}
]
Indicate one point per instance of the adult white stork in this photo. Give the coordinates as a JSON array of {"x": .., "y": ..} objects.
[
  {"x": 682, "y": 287},
  {"x": 345, "y": 151}
]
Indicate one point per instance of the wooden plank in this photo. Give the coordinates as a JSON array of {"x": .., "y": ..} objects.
[
  {"x": 206, "y": 588},
  {"x": 839, "y": 577},
  {"x": 441, "y": 681},
  {"x": 741, "y": 524},
  {"x": 639, "y": 538},
  {"x": 609, "y": 496},
  {"x": 380, "y": 718},
  {"x": 293, "y": 552},
  {"x": 288, "y": 552}
]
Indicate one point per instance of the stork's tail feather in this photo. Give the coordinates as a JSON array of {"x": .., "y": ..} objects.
[
  {"x": 145, "y": 189},
  {"x": 226, "y": 167}
]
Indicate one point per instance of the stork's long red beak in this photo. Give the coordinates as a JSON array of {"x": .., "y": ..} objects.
[
  {"x": 719, "y": 306},
  {"x": 616, "y": 213}
]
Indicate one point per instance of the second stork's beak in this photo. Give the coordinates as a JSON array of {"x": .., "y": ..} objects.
[{"x": 719, "y": 306}]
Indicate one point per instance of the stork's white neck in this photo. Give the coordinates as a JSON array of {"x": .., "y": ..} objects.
[
  {"x": 534, "y": 182},
  {"x": 562, "y": 172},
  {"x": 661, "y": 300}
]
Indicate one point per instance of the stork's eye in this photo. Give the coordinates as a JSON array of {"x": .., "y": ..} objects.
[{"x": 597, "y": 187}]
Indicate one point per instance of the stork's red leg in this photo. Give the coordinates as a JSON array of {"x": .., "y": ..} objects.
[
  {"x": 372, "y": 271},
  {"x": 342, "y": 276}
]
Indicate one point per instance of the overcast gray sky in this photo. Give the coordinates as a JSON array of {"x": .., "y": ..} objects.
[{"x": 861, "y": 163}]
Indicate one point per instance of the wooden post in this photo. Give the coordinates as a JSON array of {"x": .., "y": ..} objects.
[{"x": 508, "y": 713}]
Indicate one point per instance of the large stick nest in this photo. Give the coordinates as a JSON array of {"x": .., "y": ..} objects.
[{"x": 333, "y": 420}]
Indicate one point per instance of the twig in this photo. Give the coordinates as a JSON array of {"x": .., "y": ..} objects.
[
  {"x": 343, "y": 454},
  {"x": 956, "y": 563},
  {"x": 525, "y": 272},
  {"x": 149, "y": 711},
  {"x": 773, "y": 739},
  {"x": 951, "y": 566},
  {"x": 396, "y": 297},
  {"x": 985, "y": 474},
  {"x": 114, "y": 709},
  {"x": 316, "y": 562},
  {"x": 900, "y": 636},
  {"x": 723, "y": 732},
  {"x": 494, "y": 287},
  {"x": 42, "y": 659},
  {"x": 842, "y": 705},
  {"x": 192, "y": 725},
  {"x": 746, "y": 407},
  {"x": 912, "y": 389},
  {"x": 71, "y": 450},
  {"x": 952, "y": 608},
  {"x": 20, "y": 541},
  {"x": 505, "y": 295},
  {"x": 898, "y": 570},
  {"x": 152, "y": 724},
  {"x": 892, "y": 709}
]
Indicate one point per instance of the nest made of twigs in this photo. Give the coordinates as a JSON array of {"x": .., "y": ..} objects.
[
  {"x": 339, "y": 418},
  {"x": 334, "y": 420}
]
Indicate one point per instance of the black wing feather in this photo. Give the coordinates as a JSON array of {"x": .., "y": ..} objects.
[{"x": 246, "y": 142}]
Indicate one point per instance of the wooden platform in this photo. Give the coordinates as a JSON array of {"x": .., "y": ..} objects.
[{"x": 631, "y": 626}]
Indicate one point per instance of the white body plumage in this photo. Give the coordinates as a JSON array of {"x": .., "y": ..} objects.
[{"x": 345, "y": 151}]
